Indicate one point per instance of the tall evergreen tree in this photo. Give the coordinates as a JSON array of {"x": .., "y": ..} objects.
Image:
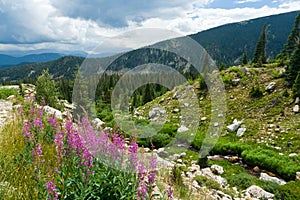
[
  {"x": 148, "y": 94},
  {"x": 293, "y": 38},
  {"x": 293, "y": 67},
  {"x": 260, "y": 50},
  {"x": 245, "y": 57},
  {"x": 296, "y": 86}
]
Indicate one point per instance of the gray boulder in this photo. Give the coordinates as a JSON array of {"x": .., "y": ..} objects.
[
  {"x": 257, "y": 192},
  {"x": 233, "y": 127},
  {"x": 265, "y": 177},
  {"x": 241, "y": 131},
  {"x": 271, "y": 86}
]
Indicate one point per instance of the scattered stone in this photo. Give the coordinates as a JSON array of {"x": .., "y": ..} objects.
[
  {"x": 53, "y": 111},
  {"x": 194, "y": 168},
  {"x": 182, "y": 129},
  {"x": 217, "y": 169},
  {"x": 233, "y": 159},
  {"x": 220, "y": 115},
  {"x": 265, "y": 177},
  {"x": 271, "y": 86},
  {"x": 289, "y": 144},
  {"x": 233, "y": 127},
  {"x": 297, "y": 176},
  {"x": 278, "y": 148},
  {"x": 216, "y": 124},
  {"x": 175, "y": 156},
  {"x": 236, "y": 80},
  {"x": 297, "y": 100},
  {"x": 182, "y": 154},
  {"x": 231, "y": 97},
  {"x": 277, "y": 130},
  {"x": 98, "y": 122},
  {"x": 256, "y": 169},
  {"x": 292, "y": 155},
  {"x": 241, "y": 131},
  {"x": 155, "y": 112},
  {"x": 160, "y": 150},
  {"x": 208, "y": 173},
  {"x": 176, "y": 110},
  {"x": 179, "y": 161},
  {"x": 296, "y": 109},
  {"x": 257, "y": 192},
  {"x": 203, "y": 118}
]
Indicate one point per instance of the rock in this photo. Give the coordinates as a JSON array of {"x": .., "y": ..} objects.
[
  {"x": 203, "y": 118},
  {"x": 217, "y": 169},
  {"x": 179, "y": 161},
  {"x": 216, "y": 124},
  {"x": 292, "y": 155},
  {"x": 98, "y": 122},
  {"x": 176, "y": 110},
  {"x": 233, "y": 127},
  {"x": 231, "y": 97},
  {"x": 256, "y": 169},
  {"x": 297, "y": 100},
  {"x": 296, "y": 109},
  {"x": 277, "y": 130},
  {"x": 265, "y": 177},
  {"x": 208, "y": 173},
  {"x": 241, "y": 131},
  {"x": 182, "y": 129},
  {"x": 156, "y": 194},
  {"x": 175, "y": 156},
  {"x": 155, "y": 112},
  {"x": 297, "y": 176},
  {"x": 53, "y": 111},
  {"x": 289, "y": 144},
  {"x": 220, "y": 115},
  {"x": 194, "y": 168},
  {"x": 257, "y": 192},
  {"x": 233, "y": 159},
  {"x": 182, "y": 154},
  {"x": 146, "y": 149},
  {"x": 11, "y": 97},
  {"x": 271, "y": 86},
  {"x": 236, "y": 80},
  {"x": 160, "y": 150}
]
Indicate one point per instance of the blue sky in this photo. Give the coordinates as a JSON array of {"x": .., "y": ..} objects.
[{"x": 81, "y": 25}]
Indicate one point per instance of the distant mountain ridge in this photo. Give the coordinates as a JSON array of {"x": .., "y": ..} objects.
[
  {"x": 7, "y": 60},
  {"x": 225, "y": 44}
]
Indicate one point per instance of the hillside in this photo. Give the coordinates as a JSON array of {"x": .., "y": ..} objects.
[
  {"x": 7, "y": 60},
  {"x": 225, "y": 44}
]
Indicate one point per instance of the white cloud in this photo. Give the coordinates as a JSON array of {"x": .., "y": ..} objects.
[
  {"x": 247, "y": 1},
  {"x": 82, "y": 25}
]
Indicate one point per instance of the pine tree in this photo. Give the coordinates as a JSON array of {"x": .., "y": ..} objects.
[
  {"x": 296, "y": 86},
  {"x": 148, "y": 94},
  {"x": 293, "y": 38},
  {"x": 260, "y": 50},
  {"x": 293, "y": 67},
  {"x": 245, "y": 57}
]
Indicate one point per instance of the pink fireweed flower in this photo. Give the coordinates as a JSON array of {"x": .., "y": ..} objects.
[
  {"x": 170, "y": 192},
  {"x": 51, "y": 188},
  {"x": 39, "y": 150},
  {"x": 26, "y": 129},
  {"x": 40, "y": 113},
  {"x": 152, "y": 173},
  {"x": 58, "y": 143},
  {"x": 133, "y": 155},
  {"x": 53, "y": 121},
  {"x": 38, "y": 123}
]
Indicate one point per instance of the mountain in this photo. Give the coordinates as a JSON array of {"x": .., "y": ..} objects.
[
  {"x": 226, "y": 43},
  {"x": 7, "y": 60}
]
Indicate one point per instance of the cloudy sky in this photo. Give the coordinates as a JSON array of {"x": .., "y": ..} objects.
[{"x": 81, "y": 25}]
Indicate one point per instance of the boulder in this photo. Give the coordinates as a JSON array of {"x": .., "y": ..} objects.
[
  {"x": 297, "y": 176},
  {"x": 217, "y": 169},
  {"x": 208, "y": 173},
  {"x": 271, "y": 86},
  {"x": 53, "y": 111},
  {"x": 241, "y": 131},
  {"x": 182, "y": 129},
  {"x": 296, "y": 109},
  {"x": 257, "y": 192},
  {"x": 265, "y": 177},
  {"x": 233, "y": 127},
  {"x": 98, "y": 122}
]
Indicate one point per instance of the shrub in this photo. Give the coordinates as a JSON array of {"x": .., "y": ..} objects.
[
  {"x": 290, "y": 191},
  {"x": 204, "y": 181},
  {"x": 176, "y": 176},
  {"x": 6, "y": 92},
  {"x": 241, "y": 181},
  {"x": 255, "y": 92}
]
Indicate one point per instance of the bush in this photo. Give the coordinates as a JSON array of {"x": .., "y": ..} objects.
[
  {"x": 242, "y": 181},
  {"x": 255, "y": 92},
  {"x": 290, "y": 191},
  {"x": 6, "y": 92},
  {"x": 210, "y": 184},
  {"x": 169, "y": 128}
]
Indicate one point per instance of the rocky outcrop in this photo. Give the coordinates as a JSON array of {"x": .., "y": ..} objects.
[
  {"x": 53, "y": 111},
  {"x": 265, "y": 177},
  {"x": 5, "y": 111},
  {"x": 257, "y": 192}
]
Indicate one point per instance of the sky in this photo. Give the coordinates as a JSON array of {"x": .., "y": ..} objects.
[{"x": 81, "y": 25}]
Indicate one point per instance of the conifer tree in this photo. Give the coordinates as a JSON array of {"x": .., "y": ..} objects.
[
  {"x": 293, "y": 38},
  {"x": 245, "y": 57},
  {"x": 148, "y": 94},
  {"x": 296, "y": 86},
  {"x": 260, "y": 50},
  {"x": 293, "y": 67}
]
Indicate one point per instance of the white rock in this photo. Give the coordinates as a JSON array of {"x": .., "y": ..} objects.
[
  {"x": 203, "y": 118},
  {"x": 53, "y": 111},
  {"x": 217, "y": 169},
  {"x": 265, "y": 177},
  {"x": 160, "y": 150},
  {"x": 98, "y": 122},
  {"x": 233, "y": 127},
  {"x": 208, "y": 173},
  {"x": 296, "y": 109},
  {"x": 182, "y": 129},
  {"x": 271, "y": 86},
  {"x": 258, "y": 192},
  {"x": 297, "y": 176},
  {"x": 297, "y": 100},
  {"x": 241, "y": 131},
  {"x": 292, "y": 155}
]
